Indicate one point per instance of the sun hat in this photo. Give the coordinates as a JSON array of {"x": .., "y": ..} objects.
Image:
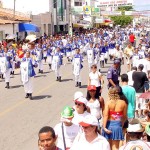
[
  {"x": 147, "y": 129},
  {"x": 67, "y": 112},
  {"x": 82, "y": 100},
  {"x": 91, "y": 88},
  {"x": 77, "y": 95},
  {"x": 89, "y": 120},
  {"x": 135, "y": 126}
]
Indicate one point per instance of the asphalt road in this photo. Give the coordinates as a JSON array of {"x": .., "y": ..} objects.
[{"x": 21, "y": 119}]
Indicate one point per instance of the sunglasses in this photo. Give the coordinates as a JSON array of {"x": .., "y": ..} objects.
[{"x": 79, "y": 104}]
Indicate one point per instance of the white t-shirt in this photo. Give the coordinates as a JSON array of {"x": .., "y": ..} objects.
[
  {"x": 99, "y": 143},
  {"x": 70, "y": 132},
  {"x": 95, "y": 108},
  {"x": 146, "y": 64},
  {"x": 94, "y": 77},
  {"x": 130, "y": 82},
  {"x": 79, "y": 117},
  {"x": 136, "y": 145}
]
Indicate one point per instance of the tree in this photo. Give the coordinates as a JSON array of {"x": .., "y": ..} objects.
[{"x": 122, "y": 20}]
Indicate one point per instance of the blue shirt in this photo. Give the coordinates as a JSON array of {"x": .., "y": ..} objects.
[{"x": 113, "y": 74}]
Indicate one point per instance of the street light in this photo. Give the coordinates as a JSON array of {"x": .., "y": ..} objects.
[
  {"x": 14, "y": 16},
  {"x": 70, "y": 19}
]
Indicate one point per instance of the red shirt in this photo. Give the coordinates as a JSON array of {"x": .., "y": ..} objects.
[{"x": 131, "y": 38}]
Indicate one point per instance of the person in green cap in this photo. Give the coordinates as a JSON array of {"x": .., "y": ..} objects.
[{"x": 66, "y": 131}]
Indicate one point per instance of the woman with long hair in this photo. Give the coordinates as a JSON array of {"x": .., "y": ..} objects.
[{"x": 115, "y": 114}]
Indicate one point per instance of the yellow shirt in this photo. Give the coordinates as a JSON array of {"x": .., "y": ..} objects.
[{"x": 128, "y": 51}]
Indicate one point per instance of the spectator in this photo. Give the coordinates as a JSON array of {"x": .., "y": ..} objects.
[
  {"x": 139, "y": 79},
  {"x": 90, "y": 138},
  {"x": 47, "y": 139},
  {"x": 135, "y": 132}
]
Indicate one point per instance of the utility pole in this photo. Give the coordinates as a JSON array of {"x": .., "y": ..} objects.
[
  {"x": 70, "y": 19},
  {"x": 14, "y": 16}
]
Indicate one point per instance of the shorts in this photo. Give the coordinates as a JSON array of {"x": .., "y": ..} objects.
[
  {"x": 116, "y": 128},
  {"x": 128, "y": 61},
  {"x": 140, "y": 102}
]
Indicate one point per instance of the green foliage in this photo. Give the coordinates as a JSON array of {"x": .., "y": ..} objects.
[
  {"x": 125, "y": 8},
  {"x": 121, "y": 20}
]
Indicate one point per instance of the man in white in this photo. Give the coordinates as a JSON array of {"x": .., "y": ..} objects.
[
  {"x": 90, "y": 139},
  {"x": 130, "y": 82}
]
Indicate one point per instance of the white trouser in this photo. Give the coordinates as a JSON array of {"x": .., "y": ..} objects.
[
  {"x": 77, "y": 78},
  {"x": 7, "y": 75},
  {"x": 40, "y": 65},
  {"x": 58, "y": 72},
  {"x": 28, "y": 86},
  {"x": 13, "y": 65},
  {"x": 49, "y": 59}
]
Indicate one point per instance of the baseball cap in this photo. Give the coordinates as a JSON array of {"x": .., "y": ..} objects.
[
  {"x": 77, "y": 95},
  {"x": 81, "y": 100},
  {"x": 67, "y": 112},
  {"x": 88, "y": 121},
  {"x": 91, "y": 87},
  {"x": 116, "y": 61},
  {"x": 147, "y": 129},
  {"x": 135, "y": 126}
]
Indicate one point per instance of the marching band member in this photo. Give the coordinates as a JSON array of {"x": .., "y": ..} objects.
[
  {"x": 7, "y": 66},
  {"x": 56, "y": 63},
  {"x": 39, "y": 53},
  {"x": 90, "y": 55},
  {"x": 27, "y": 73},
  {"x": 77, "y": 66},
  {"x": 12, "y": 51},
  {"x": 50, "y": 51}
]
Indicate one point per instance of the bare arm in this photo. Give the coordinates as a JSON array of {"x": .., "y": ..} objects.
[
  {"x": 89, "y": 81},
  {"x": 111, "y": 82},
  {"x": 124, "y": 114},
  {"x": 106, "y": 114}
]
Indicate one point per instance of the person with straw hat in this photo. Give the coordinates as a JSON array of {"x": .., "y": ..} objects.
[
  {"x": 135, "y": 132},
  {"x": 66, "y": 131}
]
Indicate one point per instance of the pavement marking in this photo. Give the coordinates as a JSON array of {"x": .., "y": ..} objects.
[{"x": 11, "y": 108}]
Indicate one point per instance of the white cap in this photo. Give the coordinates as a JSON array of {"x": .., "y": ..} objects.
[
  {"x": 81, "y": 100},
  {"x": 89, "y": 120},
  {"x": 77, "y": 95}
]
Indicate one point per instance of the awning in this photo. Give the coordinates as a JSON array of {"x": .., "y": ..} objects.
[{"x": 24, "y": 27}]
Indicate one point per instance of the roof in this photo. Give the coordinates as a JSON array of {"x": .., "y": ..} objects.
[
  {"x": 7, "y": 14},
  {"x": 3, "y": 21}
]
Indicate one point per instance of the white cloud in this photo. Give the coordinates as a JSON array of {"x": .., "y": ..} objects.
[{"x": 34, "y": 6}]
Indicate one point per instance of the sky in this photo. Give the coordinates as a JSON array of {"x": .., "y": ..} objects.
[
  {"x": 40, "y": 6},
  {"x": 34, "y": 6}
]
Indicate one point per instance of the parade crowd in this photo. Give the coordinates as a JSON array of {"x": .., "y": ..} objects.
[{"x": 120, "y": 122}]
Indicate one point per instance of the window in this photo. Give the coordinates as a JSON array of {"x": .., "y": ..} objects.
[{"x": 77, "y": 3}]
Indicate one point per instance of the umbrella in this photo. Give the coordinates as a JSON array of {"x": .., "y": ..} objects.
[
  {"x": 31, "y": 37},
  {"x": 9, "y": 37},
  {"x": 145, "y": 95}
]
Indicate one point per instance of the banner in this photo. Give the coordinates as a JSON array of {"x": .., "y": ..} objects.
[
  {"x": 87, "y": 10},
  {"x": 95, "y": 11}
]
